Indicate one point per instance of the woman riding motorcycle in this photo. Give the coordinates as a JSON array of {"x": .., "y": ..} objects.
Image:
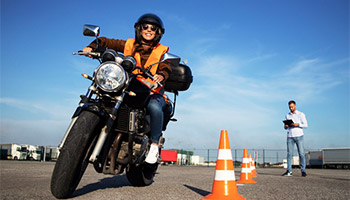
[{"x": 145, "y": 48}]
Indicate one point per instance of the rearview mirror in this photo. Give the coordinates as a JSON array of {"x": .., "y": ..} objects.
[
  {"x": 171, "y": 59},
  {"x": 91, "y": 30}
]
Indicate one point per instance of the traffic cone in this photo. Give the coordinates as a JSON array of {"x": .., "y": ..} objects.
[
  {"x": 224, "y": 186},
  {"x": 252, "y": 166},
  {"x": 246, "y": 174},
  {"x": 255, "y": 167}
]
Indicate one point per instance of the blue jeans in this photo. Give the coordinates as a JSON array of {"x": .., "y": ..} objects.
[
  {"x": 299, "y": 141},
  {"x": 155, "y": 108}
]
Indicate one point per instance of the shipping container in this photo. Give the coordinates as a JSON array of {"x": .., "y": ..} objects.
[
  {"x": 197, "y": 160},
  {"x": 168, "y": 156}
]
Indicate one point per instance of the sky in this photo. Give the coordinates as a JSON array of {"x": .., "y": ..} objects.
[{"x": 248, "y": 59}]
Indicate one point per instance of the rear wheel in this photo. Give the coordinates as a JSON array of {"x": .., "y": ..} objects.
[
  {"x": 141, "y": 175},
  {"x": 74, "y": 156}
]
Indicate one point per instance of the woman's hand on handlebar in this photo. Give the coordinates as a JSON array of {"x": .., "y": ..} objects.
[
  {"x": 87, "y": 50},
  {"x": 158, "y": 78}
]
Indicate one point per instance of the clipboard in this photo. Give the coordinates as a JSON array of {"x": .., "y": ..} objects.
[{"x": 288, "y": 122}]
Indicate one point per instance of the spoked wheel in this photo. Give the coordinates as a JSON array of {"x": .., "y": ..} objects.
[{"x": 74, "y": 156}]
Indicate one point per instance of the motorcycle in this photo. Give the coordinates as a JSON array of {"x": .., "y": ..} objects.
[{"x": 109, "y": 128}]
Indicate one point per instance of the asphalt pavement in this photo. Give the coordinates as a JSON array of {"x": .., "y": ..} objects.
[{"x": 31, "y": 180}]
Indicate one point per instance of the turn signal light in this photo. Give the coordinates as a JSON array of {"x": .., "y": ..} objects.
[{"x": 87, "y": 76}]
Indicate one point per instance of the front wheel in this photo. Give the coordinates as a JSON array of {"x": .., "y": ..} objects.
[{"x": 74, "y": 156}]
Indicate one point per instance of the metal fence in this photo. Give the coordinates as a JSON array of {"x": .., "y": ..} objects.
[{"x": 262, "y": 157}]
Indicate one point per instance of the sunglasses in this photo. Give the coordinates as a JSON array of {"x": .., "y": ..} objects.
[{"x": 146, "y": 26}]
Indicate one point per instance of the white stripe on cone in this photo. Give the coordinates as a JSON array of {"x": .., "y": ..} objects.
[
  {"x": 225, "y": 175},
  {"x": 246, "y": 170},
  {"x": 252, "y": 165},
  {"x": 224, "y": 154}
]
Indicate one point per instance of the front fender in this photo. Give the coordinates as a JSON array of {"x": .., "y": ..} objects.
[{"x": 89, "y": 107}]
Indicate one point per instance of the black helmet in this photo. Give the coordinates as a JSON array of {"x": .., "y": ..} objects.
[{"x": 149, "y": 18}]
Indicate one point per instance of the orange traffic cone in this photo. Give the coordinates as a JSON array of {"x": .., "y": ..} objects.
[
  {"x": 224, "y": 186},
  {"x": 246, "y": 174},
  {"x": 255, "y": 167},
  {"x": 252, "y": 166}
]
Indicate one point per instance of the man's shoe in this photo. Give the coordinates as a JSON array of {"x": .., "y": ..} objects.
[
  {"x": 303, "y": 174},
  {"x": 287, "y": 173},
  {"x": 153, "y": 154}
]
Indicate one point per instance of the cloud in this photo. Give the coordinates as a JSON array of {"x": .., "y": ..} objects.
[
  {"x": 34, "y": 122},
  {"x": 36, "y": 132},
  {"x": 312, "y": 77},
  {"x": 21, "y": 104},
  {"x": 51, "y": 109},
  {"x": 302, "y": 66},
  {"x": 222, "y": 97},
  {"x": 83, "y": 64}
]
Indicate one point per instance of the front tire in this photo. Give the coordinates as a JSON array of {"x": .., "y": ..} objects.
[{"x": 74, "y": 156}]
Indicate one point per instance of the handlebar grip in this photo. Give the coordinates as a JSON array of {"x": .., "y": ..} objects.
[
  {"x": 151, "y": 76},
  {"x": 94, "y": 54},
  {"x": 148, "y": 74}
]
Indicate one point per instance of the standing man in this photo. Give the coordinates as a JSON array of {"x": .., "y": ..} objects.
[{"x": 295, "y": 135}]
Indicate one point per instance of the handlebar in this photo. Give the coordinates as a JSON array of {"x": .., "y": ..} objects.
[
  {"x": 151, "y": 77},
  {"x": 98, "y": 55},
  {"x": 93, "y": 54},
  {"x": 147, "y": 73}
]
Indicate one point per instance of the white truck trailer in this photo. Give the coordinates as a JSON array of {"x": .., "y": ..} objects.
[
  {"x": 50, "y": 153},
  {"x": 12, "y": 152},
  {"x": 336, "y": 158}
]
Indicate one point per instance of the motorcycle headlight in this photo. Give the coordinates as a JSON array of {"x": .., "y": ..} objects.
[{"x": 110, "y": 76}]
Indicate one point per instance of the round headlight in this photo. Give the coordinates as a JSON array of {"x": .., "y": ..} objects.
[
  {"x": 110, "y": 77},
  {"x": 129, "y": 63}
]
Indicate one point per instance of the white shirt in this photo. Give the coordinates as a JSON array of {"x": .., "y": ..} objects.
[{"x": 297, "y": 117}]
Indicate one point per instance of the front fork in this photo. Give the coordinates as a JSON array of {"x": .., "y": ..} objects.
[
  {"x": 74, "y": 119},
  {"x": 84, "y": 100},
  {"x": 106, "y": 130}
]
